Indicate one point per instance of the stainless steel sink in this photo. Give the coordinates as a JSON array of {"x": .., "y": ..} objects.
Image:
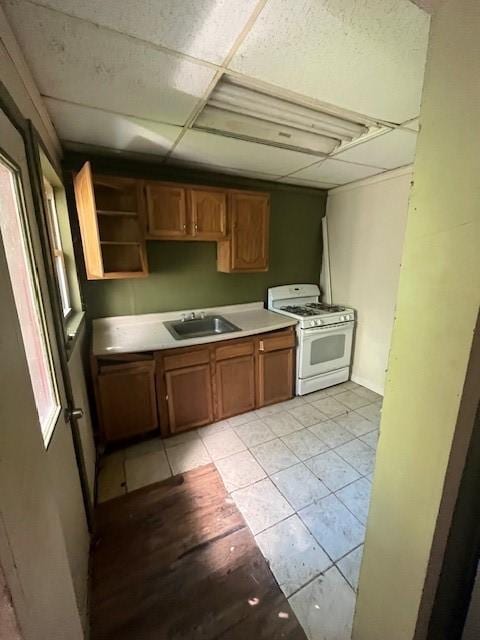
[{"x": 199, "y": 327}]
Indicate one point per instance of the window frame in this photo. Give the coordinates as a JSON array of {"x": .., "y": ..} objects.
[
  {"x": 47, "y": 427},
  {"x": 58, "y": 254}
]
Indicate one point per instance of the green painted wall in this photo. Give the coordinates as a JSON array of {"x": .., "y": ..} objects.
[{"x": 184, "y": 275}]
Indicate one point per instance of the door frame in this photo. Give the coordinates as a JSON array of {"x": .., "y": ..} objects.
[{"x": 33, "y": 143}]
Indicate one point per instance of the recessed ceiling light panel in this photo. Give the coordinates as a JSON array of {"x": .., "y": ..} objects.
[{"x": 250, "y": 114}]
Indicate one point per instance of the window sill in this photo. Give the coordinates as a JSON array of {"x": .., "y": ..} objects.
[{"x": 74, "y": 324}]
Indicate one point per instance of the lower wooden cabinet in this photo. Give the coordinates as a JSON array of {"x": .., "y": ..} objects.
[
  {"x": 126, "y": 399},
  {"x": 276, "y": 367},
  {"x": 187, "y": 387},
  {"x": 189, "y": 397},
  {"x": 235, "y": 385}
]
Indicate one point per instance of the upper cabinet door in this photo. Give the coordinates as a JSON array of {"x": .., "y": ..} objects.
[
  {"x": 87, "y": 217},
  {"x": 209, "y": 214},
  {"x": 166, "y": 211},
  {"x": 249, "y": 219}
]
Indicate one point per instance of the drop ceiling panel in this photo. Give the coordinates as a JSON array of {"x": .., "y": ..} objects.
[
  {"x": 199, "y": 146},
  {"x": 308, "y": 183},
  {"x": 336, "y": 172},
  {"x": 103, "y": 128},
  {"x": 79, "y": 62},
  {"x": 203, "y": 29},
  {"x": 390, "y": 150},
  {"x": 366, "y": 56}
]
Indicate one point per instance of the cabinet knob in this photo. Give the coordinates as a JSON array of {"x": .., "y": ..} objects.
[
  {"x": 196, "y": 227},
  {"x": 261, "y": 347}
]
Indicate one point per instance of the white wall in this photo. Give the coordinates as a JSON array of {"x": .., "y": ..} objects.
[{"x": 366, "y": 229}]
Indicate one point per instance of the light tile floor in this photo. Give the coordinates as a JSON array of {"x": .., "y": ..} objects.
[{"x": 300, "y": 472}]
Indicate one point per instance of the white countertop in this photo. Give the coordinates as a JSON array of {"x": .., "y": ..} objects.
[{"x": 127, "y": 334}]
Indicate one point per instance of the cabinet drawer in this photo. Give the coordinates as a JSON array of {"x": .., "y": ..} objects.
[
  {"x": 234, "y": 350},
  {"x": 186, "y": 359},
  {"x": 276, "y": 342}
]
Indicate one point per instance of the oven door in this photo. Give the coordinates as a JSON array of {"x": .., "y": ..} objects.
[{"x": 324, "y": 349}]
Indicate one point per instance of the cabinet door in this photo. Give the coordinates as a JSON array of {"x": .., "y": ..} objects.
[
  {"x": 235, "y": 384},
  {"x": 249, "y": 243},
  {"x": 189, "y": 397},
  {"x": 209, "y": 214},
  {"x": 87, "y": 218},
  {"x": 275, "y": 376},
  {"x": 127, "y": 400},
  {"x": 166, "y": 211}
]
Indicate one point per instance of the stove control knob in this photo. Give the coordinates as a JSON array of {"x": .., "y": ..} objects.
[
  {"x": 312, "y": 323},
  {"x": 319, "y": 322},
  {"x": 347, "y": 318},
  {"x": 342, "y": 318}
]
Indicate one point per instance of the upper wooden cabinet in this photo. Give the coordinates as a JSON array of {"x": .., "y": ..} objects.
[
  {"x": 110, "y": 211},
  {"x": 179, "y": 212},
  {"x": 117, "y": 215},
  {"x": 247, "y": 247},
  {"x": 208, "y": 214},
  {"x": 166, "y": 211}
]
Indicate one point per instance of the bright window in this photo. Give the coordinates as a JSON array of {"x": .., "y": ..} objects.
[
  {"x": 26, "y": 291},
  {"x": 57, "y": 249}
]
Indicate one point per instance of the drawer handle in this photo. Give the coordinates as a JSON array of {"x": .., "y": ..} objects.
[{"x": 261, "y": 347}]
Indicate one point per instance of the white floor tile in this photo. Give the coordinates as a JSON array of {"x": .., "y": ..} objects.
[
  {"x": 243, "y": 418},
  {"x": 212, "y": 429},
  {"x": 187, "y": 456},
  {"x": 350, "y": 566},
  {"x": 368, "y": 394},
  {"x": 147, "y": 446},
  {"x": 274, "y": 456},
  {"x": 371, "y": 412},
  {"x": 308, "y": 415},
  {"x": 332, "y": 470},
  {"x": 330, "y": 407},
  {"x": 262, "y": 505},
  {"x": 111, "y": 478},
  {"x": 351, "y": 399},
  {"x": 254, "y": 433},
  {"x": 147, "y": 469},
  {"x": 294, "y": 556},
  {"x": 223, "y": 444},
  {"x": 355, "y": 423},
  {"x": 359, "y": 455},
  {"x": 356, "y": 497},
  {"x": 283, "y": 423},
  {"x": 239, "y": 470},
  {"x": 181, "y": 438},
  {"x": 334, "y": 527},
  {"x": 293, "y": 403},
  {"x": 270, "y": 410},
  {"x": 331, "y": 433},
  {"x": 304, "y": 444},
  {"x": 371, "y": 439},
  {"x": 300, "y": 486},
  {"x": 325, "y": 607}
]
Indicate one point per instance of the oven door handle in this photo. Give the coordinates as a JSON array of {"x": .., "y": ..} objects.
[{"x": 331, "y": 328}]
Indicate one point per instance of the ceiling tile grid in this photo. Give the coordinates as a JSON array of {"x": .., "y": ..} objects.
[
  {"x": 77, "y": 61},
  {"x": 365, "y": 56},
  {"x": 131, "y": 76},
  {"x": 202, "y": 29},
  {"x": 389, "y": 150},
  {"x": 106, "y": 129}
]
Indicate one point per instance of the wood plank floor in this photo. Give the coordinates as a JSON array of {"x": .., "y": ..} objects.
[{"x": 176, "y": 561}]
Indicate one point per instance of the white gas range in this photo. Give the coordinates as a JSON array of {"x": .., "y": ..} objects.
[{"x": 324, "y": 332}]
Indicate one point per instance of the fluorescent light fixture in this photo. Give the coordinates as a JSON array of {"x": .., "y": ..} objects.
[{"x": 249, "y": 114}]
